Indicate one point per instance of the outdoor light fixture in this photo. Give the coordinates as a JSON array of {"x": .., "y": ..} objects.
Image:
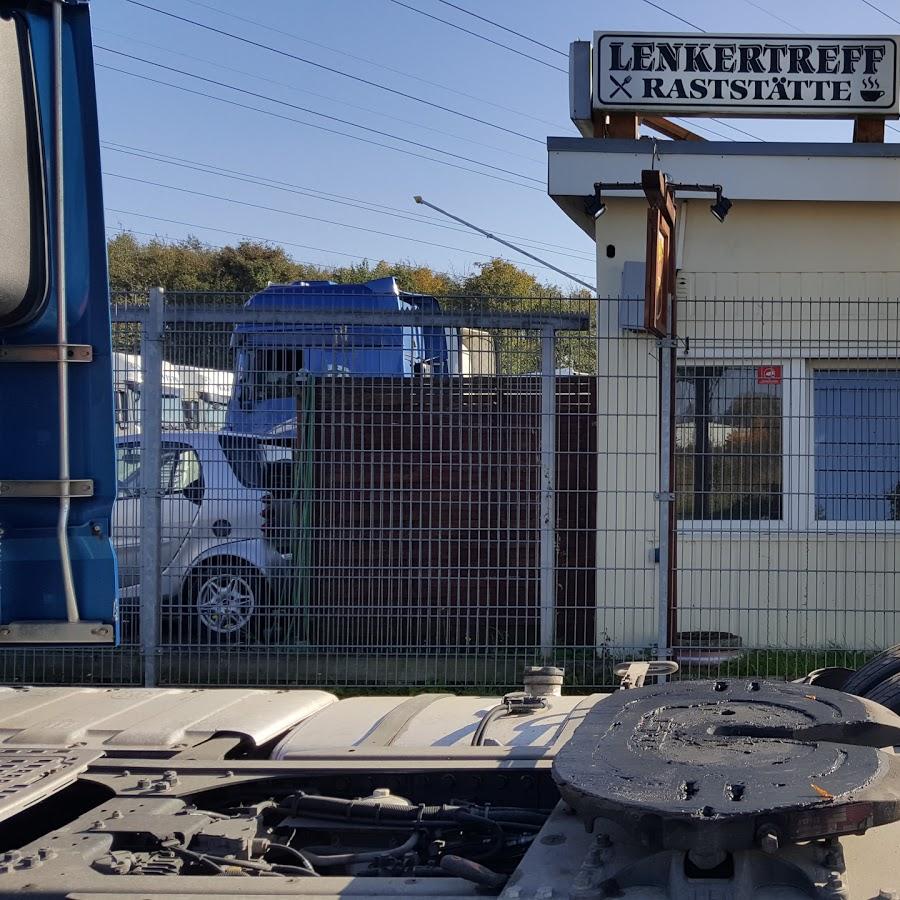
[
  {"x": 594, "y": 205},
  {"x": 720, "y": 208},
  {"x": 657, "y": 188}
]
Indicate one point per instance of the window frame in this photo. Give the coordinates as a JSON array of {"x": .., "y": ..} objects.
[{"x": 887, "y": 527}]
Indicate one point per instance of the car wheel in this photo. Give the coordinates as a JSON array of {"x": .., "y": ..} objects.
[{"x": 223, "y": 600}]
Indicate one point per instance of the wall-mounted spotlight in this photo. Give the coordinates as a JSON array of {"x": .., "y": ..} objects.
[
  {"x": 594, "y": 205},
  {"x": 721, "y": 207}
]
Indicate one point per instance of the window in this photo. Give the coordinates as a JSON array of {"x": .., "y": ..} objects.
[
  {"x": 121, "y": 409},
  {"x": 277, "y": 370},
  {"x": 728, "y": 451},
  {"x": 857, "y": 445},
  {"x": 249, "y": 458},
  {"x": 173, "y": 416},
  {"x": 179, "y": 468}
]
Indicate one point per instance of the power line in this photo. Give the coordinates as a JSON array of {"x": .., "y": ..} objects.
[
  {"x": 524, "y": 37},
  {"x": 306, "y": 109},
  {"x": 668, "y": 12},
  {"x": 340, "y": 199},
  {"x": 295, "y": 89},
  {"x": 288, "y": 212},
  {"x": 309, "y": 62},
  {"x": 370, "y": 62},
  {"x": 769, "y": 12},
  {"x": 268, "y": 240},
  {"x": 703, "y": 31},
  {"x": 482, "y": 37},
  {"x": 296, "y": 121},
  {"x": 879, "y": 9}
]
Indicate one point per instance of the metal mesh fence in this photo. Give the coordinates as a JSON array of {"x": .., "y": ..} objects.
[{"x": 397, "y": 492}]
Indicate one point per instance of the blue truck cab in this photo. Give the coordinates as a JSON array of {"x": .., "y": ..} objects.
[
  {"x": 57, "y": 461},
  {"x": 274, "y": 358}
]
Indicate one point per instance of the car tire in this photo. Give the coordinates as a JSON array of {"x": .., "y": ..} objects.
[
  {"x": 223, "y": 602},
  {"x": 876, "y": 670}
]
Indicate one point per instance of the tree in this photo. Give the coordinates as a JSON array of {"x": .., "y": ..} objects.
[{"x": 189, "y": 266}]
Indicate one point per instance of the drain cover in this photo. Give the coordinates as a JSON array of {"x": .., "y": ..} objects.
[{"x": 720, "y": 764}]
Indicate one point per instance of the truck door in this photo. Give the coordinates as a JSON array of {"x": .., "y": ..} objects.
[{"x": 57, "y": 464}]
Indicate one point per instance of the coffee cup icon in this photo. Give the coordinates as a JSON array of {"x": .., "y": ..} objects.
[{"x": 871, "y": 96}]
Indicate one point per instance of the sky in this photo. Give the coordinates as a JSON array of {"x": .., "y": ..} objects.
[{"x": 482, "y": 111}]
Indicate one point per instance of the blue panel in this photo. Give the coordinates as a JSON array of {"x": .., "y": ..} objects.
[
  {"x": 857, "y": 445},
  {"x": 30, "y": 576}
]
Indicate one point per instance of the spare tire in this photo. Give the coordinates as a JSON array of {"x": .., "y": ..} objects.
[
  {"x": 887, "y": 693},
  {"x": 876, "y": 670}
]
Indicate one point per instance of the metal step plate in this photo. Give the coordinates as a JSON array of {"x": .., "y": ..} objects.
[
  {"x": 28, "y": 776},
  {"x": 732, "y": 764}
]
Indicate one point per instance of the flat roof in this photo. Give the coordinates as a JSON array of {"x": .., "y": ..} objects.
[
  {"x": 766, "y": 171},
  {"x": 724, "y": 148}
]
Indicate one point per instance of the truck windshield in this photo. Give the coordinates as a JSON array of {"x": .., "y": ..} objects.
[{"x": 275, "y": 372}]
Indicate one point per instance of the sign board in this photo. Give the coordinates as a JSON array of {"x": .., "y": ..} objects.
[
  {"x": 827, "y": 76},
  {"x": 660, "y": 271},
  {"x": 768, "y": 374}
]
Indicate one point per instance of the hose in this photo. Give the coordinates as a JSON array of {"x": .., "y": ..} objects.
[
  {"x": 338, "y": 808},
  {"x": 502, "y": 709},
  {"x": 472, "y": 871},
  {"x": 304, "y": 862},
  {"x": 345, "y": 859},
  {"x": 511, "y": 705}
]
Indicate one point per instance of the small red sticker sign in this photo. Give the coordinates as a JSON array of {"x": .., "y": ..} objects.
[{"x": 768, "y": 375}]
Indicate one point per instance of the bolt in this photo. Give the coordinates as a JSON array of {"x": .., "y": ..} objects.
[
  {"x": 96, "y": 530},
  {"x": 46, "y": 853},
  {"x": 101, "y": 631},
  {"x": 884, "y": 894},
  {"x": 603, "y": 840},
  {"x": 116, "y": 814},
  {"x": 143, "y": 783},
  {"x": 768, "y": 842},
  {"x": 228, "y": 774},
  {"x": 99, "y": 823},
  {"x": 5, "y": 632},
  {"x": 26, "y": 862},
  {"x": 835, "y": 882}
]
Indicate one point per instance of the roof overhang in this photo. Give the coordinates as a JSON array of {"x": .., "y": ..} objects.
[{"x": 848, "y": 173}]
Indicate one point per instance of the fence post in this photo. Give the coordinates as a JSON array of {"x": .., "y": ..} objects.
[
  {"x": 666, "y": 498},
  {"x": 151, "y": 439},
  {"x": 548, "y": 493}
]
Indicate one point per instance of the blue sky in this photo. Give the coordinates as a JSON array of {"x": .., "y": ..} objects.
[{"x": 425, "y": 58}]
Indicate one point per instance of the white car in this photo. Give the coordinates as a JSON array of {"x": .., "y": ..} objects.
[{"x": 217, "y": 571}]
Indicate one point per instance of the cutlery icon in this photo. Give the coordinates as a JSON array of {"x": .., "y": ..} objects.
[{"x": 620, "y": 87}]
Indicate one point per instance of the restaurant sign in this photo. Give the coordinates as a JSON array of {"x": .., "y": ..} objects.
[{"x": 756, "y": 75}]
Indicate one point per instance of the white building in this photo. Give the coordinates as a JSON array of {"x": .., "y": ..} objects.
[{"x": 787, "y": 432}]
